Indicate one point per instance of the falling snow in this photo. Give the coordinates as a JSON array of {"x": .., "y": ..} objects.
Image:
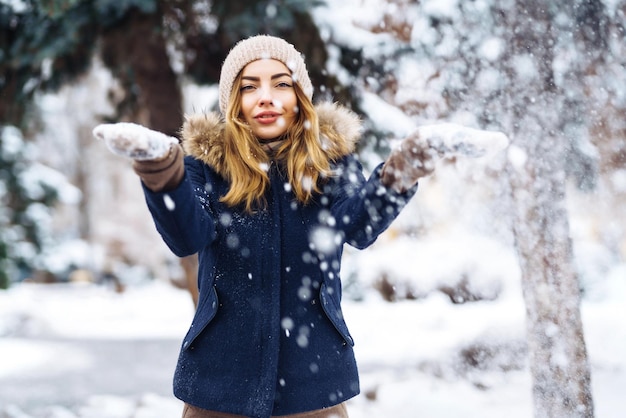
[{"x": 452, "y": 343}]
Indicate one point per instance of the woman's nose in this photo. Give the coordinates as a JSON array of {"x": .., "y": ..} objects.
[{"x": 265, "y": 95}]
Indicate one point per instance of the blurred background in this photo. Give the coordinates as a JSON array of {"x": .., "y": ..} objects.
[{"x": 78, "y": 244}]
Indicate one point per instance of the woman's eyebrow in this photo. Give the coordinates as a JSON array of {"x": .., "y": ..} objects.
[
  {"x": 275, "y": 76},
  {"x": 279, "y": 75}
]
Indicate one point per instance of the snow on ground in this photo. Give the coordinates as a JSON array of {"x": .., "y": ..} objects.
[{"x": 408, "y": 351}]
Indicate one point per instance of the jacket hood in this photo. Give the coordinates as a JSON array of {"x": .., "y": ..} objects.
[{"x": 202, "y": 134}]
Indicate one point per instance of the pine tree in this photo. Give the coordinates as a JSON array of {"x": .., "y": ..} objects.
[
  {"x": 44, "y": 45},
  {"x": 28, "y": 192}
]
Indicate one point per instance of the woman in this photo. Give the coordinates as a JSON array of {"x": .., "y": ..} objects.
[{"x": 267, "y": 196}]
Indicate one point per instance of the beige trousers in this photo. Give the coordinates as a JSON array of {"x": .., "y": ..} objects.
[{"x": 337, "y": 411}]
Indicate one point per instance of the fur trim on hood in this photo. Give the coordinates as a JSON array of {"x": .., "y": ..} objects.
[{"x": 202, "y": 134}]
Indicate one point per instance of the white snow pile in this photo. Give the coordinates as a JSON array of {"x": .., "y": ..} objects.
[{"x": 134, "y": 141}]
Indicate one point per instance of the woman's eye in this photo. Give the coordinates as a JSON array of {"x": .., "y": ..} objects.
[
  {"x": 284, "y": 84},
  {"x": 247, "y": 87}
]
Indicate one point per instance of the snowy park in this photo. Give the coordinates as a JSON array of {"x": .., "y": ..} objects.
[{"x": 513, "y": 244}]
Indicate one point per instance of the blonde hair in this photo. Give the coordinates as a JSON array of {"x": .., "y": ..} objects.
[{"x": 246, "y": 163}]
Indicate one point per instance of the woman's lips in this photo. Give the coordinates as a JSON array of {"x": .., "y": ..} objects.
[{"x": 267, "y": 117}]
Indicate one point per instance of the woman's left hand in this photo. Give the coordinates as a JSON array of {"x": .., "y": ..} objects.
[{"x": 412, "y": 160}]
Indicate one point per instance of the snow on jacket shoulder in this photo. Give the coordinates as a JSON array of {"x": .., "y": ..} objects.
[{"x": 269, "y": 337}]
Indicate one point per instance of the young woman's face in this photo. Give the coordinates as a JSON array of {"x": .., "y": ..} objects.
[{"x": 268, "y": 98}]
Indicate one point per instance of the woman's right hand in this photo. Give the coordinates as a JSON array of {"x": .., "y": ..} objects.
[{"x": 134, "y": 141}]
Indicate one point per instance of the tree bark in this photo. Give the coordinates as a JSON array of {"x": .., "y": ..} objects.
[
  {"x": 558, "y": 356},
  {"x": 135, "y": 51}
]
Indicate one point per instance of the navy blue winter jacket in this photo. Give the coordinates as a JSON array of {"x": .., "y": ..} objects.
[{"x": 268, "y": 337}]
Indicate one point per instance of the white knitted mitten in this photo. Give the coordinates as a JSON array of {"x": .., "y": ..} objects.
[{"x": 134, "y": 141}]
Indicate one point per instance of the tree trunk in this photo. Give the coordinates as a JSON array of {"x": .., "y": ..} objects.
[
  {"x": 135, "y": 51},
  {"x": 558, "y": 357}
]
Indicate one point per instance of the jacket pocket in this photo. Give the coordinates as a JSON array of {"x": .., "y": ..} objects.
[
  {"x": 332, "y": 308},
  {"x": 204, "y": 315}
]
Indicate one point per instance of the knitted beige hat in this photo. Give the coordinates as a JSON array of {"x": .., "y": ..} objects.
[{"x": 261, "y": 47}]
